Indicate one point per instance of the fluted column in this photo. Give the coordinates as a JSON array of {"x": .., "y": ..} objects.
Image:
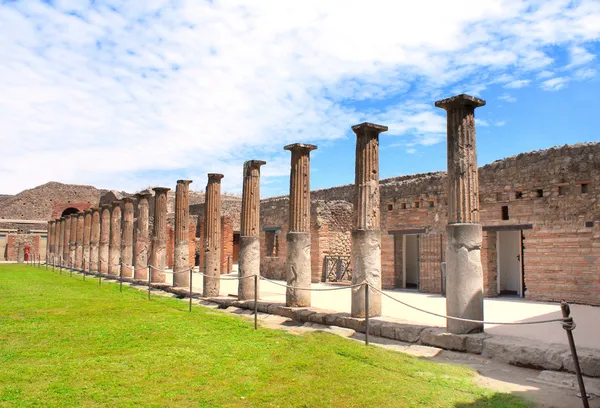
[
  {"x": 127, "y": 239},
  {"x": 67, "y": 241},
  {"x": 366, "y": 235},
  {"x": 158, "y": 259},
  {"x": 73, "y": 240},
  {"x": 61, "y": 241},
  {"x": 298, "y": 265},
  {"x": 87, "y": 232},
  {"x": 95, "y": 240},
  {"x": 212, "y": 235},
  {"x": 79, "y": 241},
  {"x": 114, "y": 246},
  {"x": 142, "y": 239},
  {"x": 104, "y": 238},
  {"x": 249, "y": 257},
  {"x": 464, "y": 277},
  {"x": 182, "y": 234},
  {"x": 50, "y": 242}
]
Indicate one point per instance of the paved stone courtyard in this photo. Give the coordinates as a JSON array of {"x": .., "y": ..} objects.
[{"x": 507, "y": 309}]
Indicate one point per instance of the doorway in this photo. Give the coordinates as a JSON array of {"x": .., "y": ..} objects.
[
  {"x": 411, "y": 261},
  {"x": 509, "y": 245}
]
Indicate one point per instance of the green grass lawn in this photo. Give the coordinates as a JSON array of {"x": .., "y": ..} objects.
[{"x": 66, "y": 342}]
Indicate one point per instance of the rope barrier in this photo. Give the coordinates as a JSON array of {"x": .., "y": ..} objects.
[
  {"x": 170, "y": 272},
  {"x": 460, "y": 319},
  {"x": 225, "y": 277},
  {"x": 311, "y": 289}
]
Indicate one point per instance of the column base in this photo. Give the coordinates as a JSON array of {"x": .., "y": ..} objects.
[
  {"x": 212, "y": 282},
  {"x": 249, "y": 265},
  {"x": 298, "y": 269},
  {"x": 464, "y": 277},
  {"x": 366, "y": 266},
  {"x": 181, "y": 265}
]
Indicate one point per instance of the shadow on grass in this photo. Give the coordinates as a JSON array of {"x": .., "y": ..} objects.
[{"x": 495, "y": 401}]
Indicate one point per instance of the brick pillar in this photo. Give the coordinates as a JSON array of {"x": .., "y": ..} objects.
[
  {"x": 212, "y": 247},
  {"x": 67, "y": 241},
  {"x": 79, "y": 241},
  {"x": 127, "y": 239},
  {"x": 298, "y": 265},
  {"x": 87, "y": 233},
  {"x": 95, "y": 239},
  {"x": 104, "y": 238},
  {"x": 366, "y": 235},
  {"x": 142, "y": 238},
  {"x": 464, "y": 277},
  {"x": 181, "y": 263},
  {"x": 73, "y": 241},
  {"x": 249, "y": 258},
  {"x": 114, "y": 245},
  {"x": 61, "y": 241},
  {"x": 158, "y": 257}
]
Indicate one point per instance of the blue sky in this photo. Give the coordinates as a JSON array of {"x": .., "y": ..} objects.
[{"x": 125, "y": 95}]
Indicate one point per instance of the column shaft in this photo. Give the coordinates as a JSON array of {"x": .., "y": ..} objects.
[
  {"x": 61, "y": 241},
  {"x": 127, "y": 239},
  {"x": 249, "y": 255},
  {"x": 72, "y": 241},
  {"x": 298, "y": 261},
  {"x": 181, "y": 263},
  {"x": 142, "y": 238},
  {"x": 87, "y": 232},
  {"x": 104, "y": 239},
  {"x": 95, "y": 239},
  {"x": 67, "y": 241},
  {"x": 158, "y": 259},
  {"x": 49, "y": 240},
  {"x": 114, "y": 246},
  {"x": 79, "y": 241},
  {"x": 212, "y": 235}
]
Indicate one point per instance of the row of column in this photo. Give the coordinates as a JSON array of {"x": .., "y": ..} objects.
[{"x": 99, "y": 230}]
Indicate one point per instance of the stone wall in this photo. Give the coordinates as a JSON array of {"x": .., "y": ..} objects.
[{"x": 11, "y": 252}]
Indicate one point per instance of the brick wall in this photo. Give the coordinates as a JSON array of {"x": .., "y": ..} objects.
[{"x": 13, "y": 241}]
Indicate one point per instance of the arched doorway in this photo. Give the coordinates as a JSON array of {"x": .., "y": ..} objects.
[{"x": 69, "y": 211}]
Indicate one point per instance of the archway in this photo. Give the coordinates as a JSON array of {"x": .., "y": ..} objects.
[{"x": 69, "y": 211}]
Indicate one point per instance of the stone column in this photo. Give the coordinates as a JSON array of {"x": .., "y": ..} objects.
[
  {"x": 67, "y": 242},
  {"x": 464, "y": 277},
  {"x": 61, "y": 241},
  {"x": 73, "y": 240},
  {"x": 158, "y": 258},
  {"x": 95, "y": 239},
  {"x": 79, "y": 241},
  {"x": 249, "y": 257},
  {"x": 104, "y": 238},
  {"x": 298, "y": 267},
  {"x": 182, "y": 234},
  {"x": 127, "y": 239},
  {"x": 142, "y": 240},
  {"x": 212, "y": 235},
  {"x": 50, "y": 242},
  {"x": 87, "y": 232},
  {"x": 366, "y": 235},
  {"x": 114, "y": 246}
]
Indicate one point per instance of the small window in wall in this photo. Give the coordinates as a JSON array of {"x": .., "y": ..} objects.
[
  {"x": 505, "y": 212},
  {"x": 518, "y": 195},
  {"x": 500, "y": 196},
  {"x": 589, "y": 224},
  {"x": 562, "y": 190},
  {"x": 417, "y": 204},
  {"x": 431, "y": 204},
  {"x": 584, "y": 188},
  {"x": 272, "y": 243},
  {"x": 403, "y": 206},
  {"x": 390, "y": 207},
  {"x": 540, "y": 193}
]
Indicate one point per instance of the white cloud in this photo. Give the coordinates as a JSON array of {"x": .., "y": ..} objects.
[
  {"x": 508, "y": 98},
  {"x": 500, "y": 123},
  {"x": 555, "y": 84},
  {"x": 584, "y": 73},
  {"x": 411, "y": 150},
  {"x": 125, "y": 94},
  {"x": 545, "y": 74},
  {"x": 580, "y": 56},
  {"x": 481, "y": 122},
  {"x": 519, "y": 83}
]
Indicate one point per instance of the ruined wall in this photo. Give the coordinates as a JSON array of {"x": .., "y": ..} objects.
[{"x": 11, "y": 252}]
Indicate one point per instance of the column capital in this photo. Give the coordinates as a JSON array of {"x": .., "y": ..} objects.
[
  {"x": 160, "y": 190},
  {"x": 369, "y": 128},
  {"x": 459, "y": 101},
  {"x": 215, "y": 177},
  {"x": 144, "y": 194},
  {"x": 250, "y": 165},
  {"x": 95, "y": 209},
  {"x": 300, "y": 147},
  {"x": 105, "y": 206},
  {"x": 88, "y": 211},
  {"x": 187, "y": 182},
  {"x": 127, "y": 200},
  {"x": 116, "y": 203}
]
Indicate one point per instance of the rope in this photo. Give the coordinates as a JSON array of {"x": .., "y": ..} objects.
[
  {"x": 312, "y": 289},
  {"x": 225, "y": 277},
  {"x": 169, "y": 272},
  {"x": 467, "y": 320}
]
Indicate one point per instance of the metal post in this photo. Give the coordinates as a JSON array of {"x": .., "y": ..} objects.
[
  {"x": 121, "y": 278},
  {"x": 99, "y": 272},
  {"x": 366, "y": 313},
  {"x": 149, "y": 279},
  {"x": 255, "y": 302},
  {"x": 83, "y": 268},
  {"x": 569, "y": 325},
  {"x": 191, "y": 272}
]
